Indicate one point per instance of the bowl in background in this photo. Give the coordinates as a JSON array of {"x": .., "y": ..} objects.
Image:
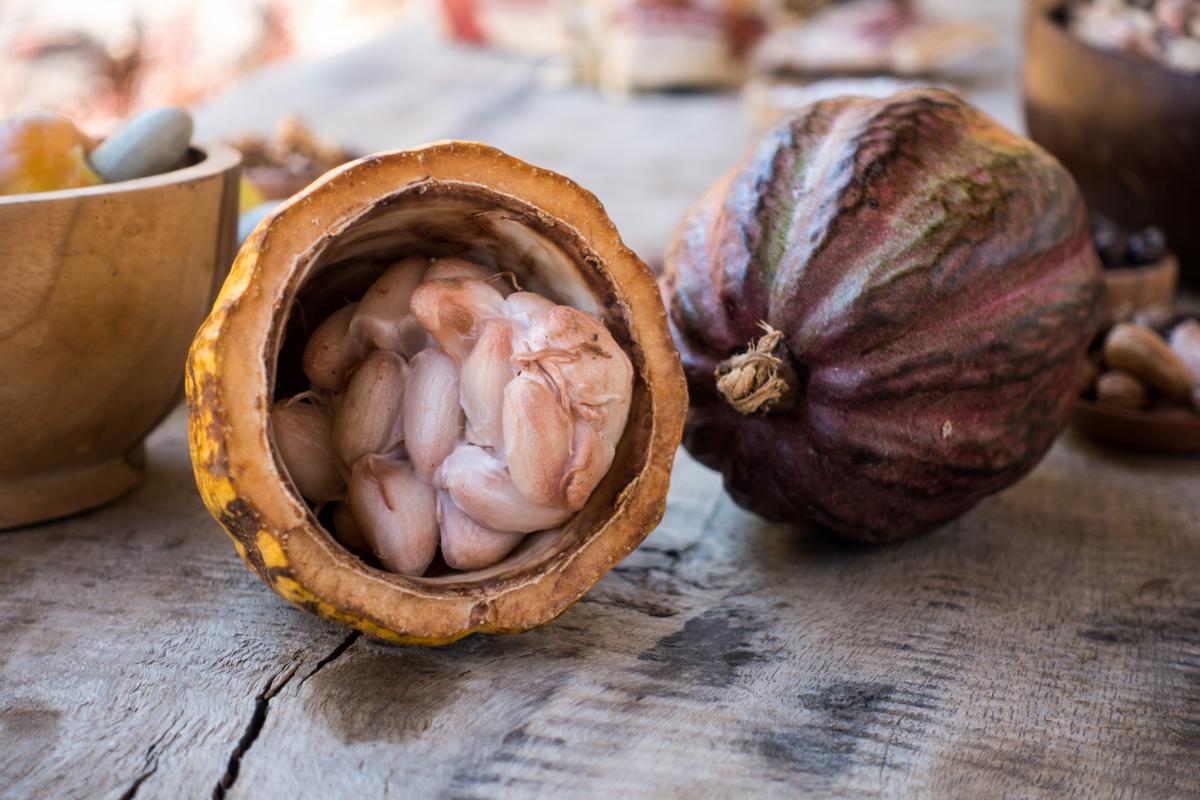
[
  {"x": 1127, "y": 129},
  {"x": 1161, "y": 431},
  {"x": 1131, "y": 289},
  {"x": 104, "y": 289}
]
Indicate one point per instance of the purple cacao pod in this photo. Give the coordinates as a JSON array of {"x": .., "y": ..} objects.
[{"x": 934, "y": 288}]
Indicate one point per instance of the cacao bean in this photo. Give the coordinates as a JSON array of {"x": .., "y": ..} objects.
[
  {"x": 304, "y": 439},
  {"x": 582, "y": 369},
  {"x": 520, "y": 308},
  {"x": 485, "y": 373},
  {"x": 1117, "y": 388},
  {"x": 466, "y": 544},
  {"x": 452, "y": 309},
  {"x": 333, "y": 350},
  {"x": 396, "y": 512},
  {"x": 442, "y": 268},
  {"x": 412, "y": 337},
  {"x": 461, "y": 268},
  {"x": 382, "y": 319},
  {"x": 433, "y": 418},
  {"x": 504, "y": 429},
  {"x": 591, "y": 456},
  {"x": 347, "y": 532},
  {"x": 369, "y": 418},
  {"x": 482, "y": 488},
  {"x": 537, "y": 439},
  {"x": 584, "y": 363},
  {"x": 1145, "y": 355}
]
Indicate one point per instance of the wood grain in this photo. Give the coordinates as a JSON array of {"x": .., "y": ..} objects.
[
  {"x": 1031, "y": 649},
  {"x": 104, "y": 289},
  {"x": 1045, "y": 645},
  {"x": 134, "y": 646}
]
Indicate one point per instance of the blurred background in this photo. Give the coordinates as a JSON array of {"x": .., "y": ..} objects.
[
  {"x": 628, "y": 97},
  {"x": 98, "y": 62},
  {"x": 671, "y": 90}
]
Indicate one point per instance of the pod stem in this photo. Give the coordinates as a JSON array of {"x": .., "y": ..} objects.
[{"x": 756, "y": 379}]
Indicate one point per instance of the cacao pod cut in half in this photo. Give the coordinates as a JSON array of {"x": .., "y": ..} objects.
[
  {"x": 933, "y": 287},
  {"x": 320, "y": 251}
]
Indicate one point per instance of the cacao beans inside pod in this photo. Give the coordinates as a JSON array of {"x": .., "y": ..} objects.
[
  {"x": 930, "y": 289},
  {"x": 324, "y": 249}
]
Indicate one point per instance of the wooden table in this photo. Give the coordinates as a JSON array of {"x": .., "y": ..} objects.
[{"x": 1046, "y": 644}]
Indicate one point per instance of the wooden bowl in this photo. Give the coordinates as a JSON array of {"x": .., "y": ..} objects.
[
  {"x": 1161, "y": 431},
  {"x": 1127, "y": 129},
  {"x": 1134, "y": 288},
  {"x": 104, "y": 289}
]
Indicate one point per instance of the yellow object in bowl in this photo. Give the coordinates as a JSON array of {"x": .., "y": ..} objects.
[
  {"x": 106, "y": 286},
  {"x": 41, "y": 152}
]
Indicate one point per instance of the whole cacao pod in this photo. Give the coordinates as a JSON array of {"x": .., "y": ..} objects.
[{"x": 929, "y": 288}]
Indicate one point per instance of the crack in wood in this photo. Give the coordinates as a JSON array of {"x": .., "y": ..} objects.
[
  {"x": 151, "y": 766},
  {"x": 253, "y": 728},
  {"x": 334, "y": 655},
  {"x": 132, "y": 791},
  {"x": 258, "y": 718}
]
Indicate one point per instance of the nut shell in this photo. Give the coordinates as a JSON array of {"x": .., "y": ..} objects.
[
  {"x": 1117, "y": 388},
  {"x": 1144, "y": 354},
  {"x": 471, "y": 194}
]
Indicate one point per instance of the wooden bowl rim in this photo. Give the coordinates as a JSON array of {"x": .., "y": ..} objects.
[
  {"x": 1168, "y": 262},
  {"x": 216, "y": 159},
  {"x": 1088, "y": 413},
  {"x": 1052, "y": 18}
]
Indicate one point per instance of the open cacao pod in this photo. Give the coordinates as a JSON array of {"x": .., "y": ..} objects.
[
  {"x": 929, "y": 287},
  {"x": 320, "y": 253}
]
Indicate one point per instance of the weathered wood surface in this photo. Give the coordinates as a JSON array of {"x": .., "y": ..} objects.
[{"x": 1047, "y": 644}]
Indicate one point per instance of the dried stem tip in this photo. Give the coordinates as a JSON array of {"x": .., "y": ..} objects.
[{"x": 750, "y": 381}]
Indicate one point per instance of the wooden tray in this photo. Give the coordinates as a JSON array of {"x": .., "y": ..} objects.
[{"x": 1138, "y": 430}]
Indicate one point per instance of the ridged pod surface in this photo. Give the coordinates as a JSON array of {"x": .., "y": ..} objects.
[{"x": 935, "y": 285}]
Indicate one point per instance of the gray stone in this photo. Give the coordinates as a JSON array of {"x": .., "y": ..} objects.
[{"x": 153, "y": 142}]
